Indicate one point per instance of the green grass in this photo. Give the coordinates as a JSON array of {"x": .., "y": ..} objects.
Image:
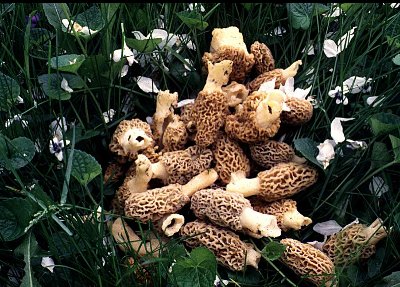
[{"x": 341, "y": 193}]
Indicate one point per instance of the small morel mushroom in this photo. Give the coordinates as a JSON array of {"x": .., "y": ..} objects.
[
  {"x": 232, "y": 210},
  {"x": 258, "y": 119},
  {"x": 280, "y": 75},
  {"x": 354, "y": 242},
  {"x": 175, "y": 135},
  {"x": 301, "y": 111},
  {"x": 154, "y": 204},
  {"x": 263, "y": 59},
  {"x": 281, "y": 181},
  {"x": 229, "y": 157},
  {"x": 286, "y": 213},
  {"x": 130, "y": 137},
  {"x": 227, "y": 44},
  {"x": 269, "y": 153},
  {"x": 308, "y": 262},
  {"x": 227, "y": 247},
  {"x": 170, "y": 224},
  {"x": 236, "y": 93}
]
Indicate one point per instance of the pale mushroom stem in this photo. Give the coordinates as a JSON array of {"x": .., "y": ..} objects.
[
  {"x": 260, "y": 223},
  {"x": 172, "y": 223},
  {"x": 159, "y": 171},
  {"x": 142, "y": 176},
  {"x": 295, "y": 220},
  {"x": 267, "y": 112},
  {"x": 134, "y": 140},
  {"x": 375, "y": 232},
  {"x": 246, "y": 186},
  {"x": 200, "y": 181},
  {"x": 218, "y": 75},
  {"x": 253, "y": 257},
  {"x": 291, "y": 71}
]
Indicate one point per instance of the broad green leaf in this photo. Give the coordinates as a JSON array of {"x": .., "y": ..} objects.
[
  {"x": 16, "y": 153},
  {"x": 320, "y": 8},
  {"x": 392, "y": 280},
  {"x": 38, "y": 36},
  {"x": 308, "y": 148},
  {"x": 15, "y": 214},
  {"x": 396, "y": 60},
  {"x": 346, "y": 7},
  {"x": 199, "y": 270},
  {"x": 94, "y": 67},
  {"x": 55, "y": 13},
  {"x": 51, "y": 85},
  {"x": 29, "y": 248},
  {"x": 67, "y": 63},
  {"x": 192, "y": 19},
  {"x": 273, "y": 250},
  {"x": 380, "y": 155},
  {"x": 384, "y": 123},
  {"x": 143, "y": 46},
  {"x": 300, "y": 14},
  {"x": 6, "y": 7},
  {"x": 9, "y": 91},
  {"x": 375, "y": 262},
  {"x": 109, "y": 10},
  {"x": 396, "y": 147},
  {"x": 91, "y": 18},
  {"x": 84, "y": 167}
]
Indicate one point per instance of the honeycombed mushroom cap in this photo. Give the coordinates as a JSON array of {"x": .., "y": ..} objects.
[
  {"x": 269, "y": 153},
  {"x": 227, "y": 247},
  {"x": 229, "y": 157},
  {"x": 155, "y": 203},
  {"x": 236, "y": 93},
  {"x": 175, "y": 135},
  {"x": 263, "y": 59},
  {"x": 305, "y": 260},
  {"x": 301, "y": 111},
  {"x": 285, "y": 180},
  {"x": 220, "y": 207}
]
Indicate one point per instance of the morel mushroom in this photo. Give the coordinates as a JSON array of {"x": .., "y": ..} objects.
[
  {"x": 227, "y": 44},
  {"x": 227, "y": 247},
  {"x": 263, "y": 59},
  {"x": 286, "y": 213},
  {"x": 281, "y": 181},
  {"x": 236, "y": 93},
  {"x": 154, "y": 204},
  {"x": 309, "y": 262},
  {"x": 175, "y": 135},
  {"x": 232, "y": 210},
  {"x": 354, "y": 242},
  {"x": 170, "y": 224},
  {"x": 269, "y": 153},
  {"x": 280, "y": 75},
  {"x": 301, "y": 111}
]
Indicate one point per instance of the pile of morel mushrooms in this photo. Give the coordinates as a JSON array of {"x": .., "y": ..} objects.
[{"x": 217, "y": 155}]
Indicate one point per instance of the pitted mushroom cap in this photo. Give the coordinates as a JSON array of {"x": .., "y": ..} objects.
[
  {"x": 227, "y": 247},
  {"x": 186, "y": 117},
  {"x": 264, "y": 61},
  {"x": 166, "y": 102},
  {"x": 354, "y": 242},
  {"x": 229, "y": 157},
  {"x": 130, "y": 137},
  {"x": 269, "y": 153},
  {"x": 301, "y": 111},
  {"x": 175, "y": 135},
  {"x": 308, "y": 262},
  {"x": 227, "y": 37},
  {"x": 236, "y": 93},
  {"x": 280, "y": 76},
  {"x": 285, "y": 180}
]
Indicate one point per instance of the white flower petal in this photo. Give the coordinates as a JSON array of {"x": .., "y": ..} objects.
[
  {"x": 330, "y": 48},
  {"x": 279, "y": 31},
  {"x": 301, "y": 93},
  {"x": 326, "y": 152},
  {"x": 65, "y": 86},
  {"x": 185, "y": 102},
  {"x": 138, "y": 35},
  {"x": 355, "y": 84},
  {"x": 59, "y": 155},
  {"x": 124, "y": 71},
  {"x": 335, "y": 13},
  {"x": 20, "y": 100},
  {"x": 378, "y": 186},
  {"x": 310, "y": 49},
  {"x": 345, "y": 40},
  {"x": 356, "y": 144},
  {"x": 109, "y": 115},
  {"x": 48, "y": 263},
  {"x": 149, "y": 120},
  {"x": 337, "y": 129},
  {"x": 316, "y": 244},
  {"x": 147, "y": 85},
  {"x": 66, "y": 23},
  {"x": 267, "y": 86},
  {"x": 395, "y": 5},
  {"x": 327, "y": 228},
  {"x": 372, "y": 101}
]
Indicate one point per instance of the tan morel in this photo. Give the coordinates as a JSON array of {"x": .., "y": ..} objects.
[
  {"x": 301, "y": 111},
  {"x": 355, "y": 242},
  {"x": 170, "y": 224},
  {"x": 232, "y": 210},
  {"x": 269, "y": 153},
  {"x": 236, "y": 93},
  {"x": 286, "y": 213},
  {"x": 227, "y": 247},
  {"x": 175, "y": 135},
  {"x": 154, "y": 204},
  {"x": 281, "y": 181},
  {"x": 264, "y": 61},
  {"x": 308, "y": 262}
]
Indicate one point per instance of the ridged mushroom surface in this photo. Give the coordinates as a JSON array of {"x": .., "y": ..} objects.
[{"x": 269, "y": 153}]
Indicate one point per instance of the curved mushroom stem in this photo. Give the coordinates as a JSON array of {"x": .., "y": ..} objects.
[
  {"x": 252, "y": 257},
  {"x": 200, "y": 181},
  {"x": 134, "y": 140},
  {"x": 291, "y": 71},
  {"x": 159, "y": 170},
  {"x": 260, "y": 223},
  {"x": 166, "y": 102},
  {"x": 171, "y": 224},
  {"x": 295, "y": 220},
  {"x": 375, "y": 232},
  {"x": 240, "y": 184}
]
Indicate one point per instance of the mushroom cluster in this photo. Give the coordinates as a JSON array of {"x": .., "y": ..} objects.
[{"x": 220, "y": 157}]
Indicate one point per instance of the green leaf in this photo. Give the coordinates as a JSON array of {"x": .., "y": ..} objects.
[
  {"x": 94, "y": 67},
  {"x": 273, "y": 250},
  {"x": 38, "y": 36},
  {"x": 9, "y": 91},
  {"x": 396, "y": 147},
  {"x": 320, "y": 8},
  {"x": 16, "y": 153},
  {"x": 109, "y": 10},
  {"x": 375, "y": 262},
  {"x": 29, "y": 248},
  {"x": 380, "y": 155},
  {"x": 84, "y": 167},
  {"x": 308, "y": 148},
  {"x": 300, "y": 14},
  {"x": 90, "y": 18},
  {"x": 51, "y": 85},
  {"x": 396, "y": 60},
  {"x": 346, "y": 7},
  {"x": 199, "y": 270},
  {"x": 392, "y": 280},
  {"x": 392, "y": 31},
  {"x": 67, "y": 63},
  {"x": 143, "y": 46},
  {"x": 15, "y": 214},
  {"x": 6, "y": 7},
  {"x": 55, "y": 12},
  {"x": 193, "y": 20},
  {"x": 384, "y": 123}
]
